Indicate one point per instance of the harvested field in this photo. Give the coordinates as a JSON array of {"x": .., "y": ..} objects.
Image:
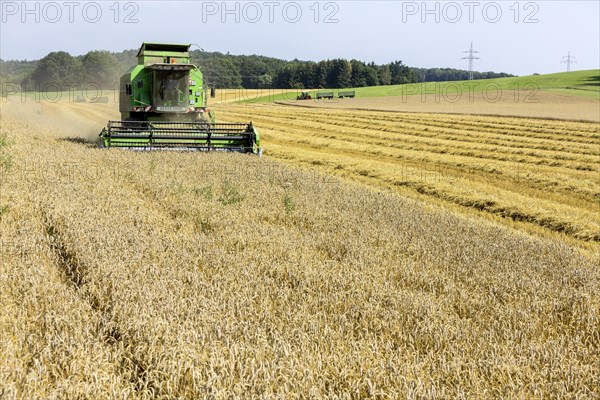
[
  {"x": 533, "y": 104},
  {"x": 538, "y": 173}
]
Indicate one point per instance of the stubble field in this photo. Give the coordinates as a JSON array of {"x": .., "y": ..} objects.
[
  {"x": 528, "y": 104},
  {"x": 539, "y": 175}
]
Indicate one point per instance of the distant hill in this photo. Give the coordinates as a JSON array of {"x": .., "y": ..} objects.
[
  {"x": 578, "y": 83},
  {"x": 583, "y": 83}
]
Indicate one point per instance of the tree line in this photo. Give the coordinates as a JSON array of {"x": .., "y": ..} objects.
[
  {"x": 60, "y": 70},
  {"x": 257, "y": 72},
  {"x": 103, "y": 68},
  {"x": 451, "y": 74}
]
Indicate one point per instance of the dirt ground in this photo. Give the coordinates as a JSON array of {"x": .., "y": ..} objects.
[{"x": 508, "y": 103}]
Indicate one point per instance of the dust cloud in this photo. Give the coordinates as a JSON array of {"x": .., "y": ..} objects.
[{"x": 63, "y": 117}]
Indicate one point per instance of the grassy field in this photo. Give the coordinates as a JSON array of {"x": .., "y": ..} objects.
[
  {"x": 384, "y": 255},
  {"x": 578, "y": 83}
]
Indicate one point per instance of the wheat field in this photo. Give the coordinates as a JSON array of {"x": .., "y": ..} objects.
[
  {"x": 541, "y": 175},
  {"x": 318, "y": 271}
]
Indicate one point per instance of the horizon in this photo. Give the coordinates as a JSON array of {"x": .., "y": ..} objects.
[
  {"x": 290, "y": 60},
  {"x": 237, "y": 55}
]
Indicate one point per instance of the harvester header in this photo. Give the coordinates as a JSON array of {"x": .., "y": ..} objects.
[{"x": 163, "y": 104}]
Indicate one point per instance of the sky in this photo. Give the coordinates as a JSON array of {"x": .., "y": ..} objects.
[{"x": 518, "y": 37}]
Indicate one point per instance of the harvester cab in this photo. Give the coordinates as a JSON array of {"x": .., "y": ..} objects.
[{"x": 163, "y": 104}]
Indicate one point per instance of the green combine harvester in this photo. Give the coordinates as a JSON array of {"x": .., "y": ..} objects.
[{"x": 163, "y": 104}]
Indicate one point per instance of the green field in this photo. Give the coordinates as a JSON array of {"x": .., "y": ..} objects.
[{"x": 577, "y": 83}]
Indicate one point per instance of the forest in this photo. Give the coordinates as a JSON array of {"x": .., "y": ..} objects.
[{"x": 60, "y": 69}]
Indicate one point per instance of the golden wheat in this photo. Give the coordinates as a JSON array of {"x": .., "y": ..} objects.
[{"x": 176, "y": 275}]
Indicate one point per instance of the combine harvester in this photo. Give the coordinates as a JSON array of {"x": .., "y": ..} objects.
[{"x": 163, "y": 104}]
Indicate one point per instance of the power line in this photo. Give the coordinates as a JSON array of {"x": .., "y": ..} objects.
[
  {"x": 471, "y": 57},
  {"x": 568, "y": 59}
]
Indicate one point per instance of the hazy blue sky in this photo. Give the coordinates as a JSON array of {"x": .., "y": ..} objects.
[{"x": 517, "y": 37}]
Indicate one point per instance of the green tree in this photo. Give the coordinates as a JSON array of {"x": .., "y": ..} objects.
[
  {"x": 308, "y": 74},
  {"x": 371, "y": 74},
  {"x": 340, "y": 75},
  {"x": 251, "y": 69},
  {"x": 57, "y": 68},
  {"x": 359, "y": 74},
  {"x": 323, "y": 71},
  {"x": 385, "y": 75},
  {"x": 265, "y": 81},
  {"x": 221, "y": 72},
  {"x": 100, "y": 68},
  {"x": 287, "y": 77},
  {"x": 401, "y": 74}
]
